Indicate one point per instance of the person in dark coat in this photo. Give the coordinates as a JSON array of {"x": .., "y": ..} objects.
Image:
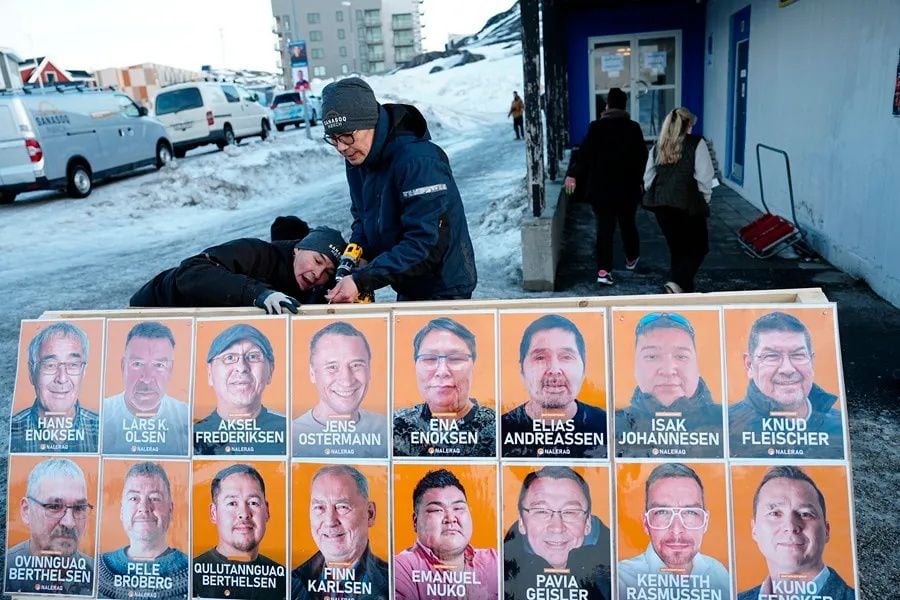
[
  {"x": 408, "y": 216},
  {"x": 610, "y": 163},
  {"x": 556, "y": 531},
  {"x": 679, "y": 180},
  {"x": 275, "y": 276}
]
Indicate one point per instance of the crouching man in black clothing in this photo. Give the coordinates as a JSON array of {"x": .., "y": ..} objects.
[{"x": 276, "y": 276}]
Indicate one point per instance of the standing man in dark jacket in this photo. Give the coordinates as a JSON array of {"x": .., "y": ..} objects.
[
  {"x": 277, "y": 276},
  {"x": 407, "y": 214},
  {"x": 611, "y": 162}
]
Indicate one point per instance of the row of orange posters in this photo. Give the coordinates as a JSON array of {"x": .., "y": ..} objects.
[
  {"x": 270, "y": 529},
  {"x": 323, "y": 387}
]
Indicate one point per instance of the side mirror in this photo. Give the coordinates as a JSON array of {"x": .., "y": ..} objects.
[
  {"x": 142, "y": 110},
  {"x": 254, "y": 97}
]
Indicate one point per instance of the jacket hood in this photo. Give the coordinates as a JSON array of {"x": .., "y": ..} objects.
[{"x": 398, "y": 124}]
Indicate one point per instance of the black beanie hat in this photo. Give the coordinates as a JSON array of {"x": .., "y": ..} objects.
[
  {"x": 348, "y": 105},
  {"x": 288, "y": 228},
  {"x": 326, "y": 240}
]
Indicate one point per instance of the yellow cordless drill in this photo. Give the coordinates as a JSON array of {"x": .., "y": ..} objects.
[{"x": 349, "y": 262}]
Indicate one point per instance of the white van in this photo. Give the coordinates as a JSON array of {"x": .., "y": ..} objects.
[
  {"x": 68, "y": 139},
  {"x": 206, "y": 112}
]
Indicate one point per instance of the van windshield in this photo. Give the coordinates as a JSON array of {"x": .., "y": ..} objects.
[{"x": 176, "y": 100}]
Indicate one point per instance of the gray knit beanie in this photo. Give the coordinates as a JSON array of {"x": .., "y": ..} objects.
[
  {"x": 348, "y": 105},
  {"x": 326, "y": 240}
]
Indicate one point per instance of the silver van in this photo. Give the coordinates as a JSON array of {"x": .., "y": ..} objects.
[{"x": 70, "y": 138}]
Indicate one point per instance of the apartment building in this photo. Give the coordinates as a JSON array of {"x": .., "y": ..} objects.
[
  {"x": 348, "y": 36},
  {"x": 142, "y": 82}
]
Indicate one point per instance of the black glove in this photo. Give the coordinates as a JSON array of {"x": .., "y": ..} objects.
[{"x": 273, "y": 301}]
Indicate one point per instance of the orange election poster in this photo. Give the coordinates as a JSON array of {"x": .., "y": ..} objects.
[
  {"x": 668, "y": 383},
  {"x": 147, "y": 383},
  {"x": 446, "y": 541},
  {"x": 51, "y": 526},
  {"x": 793, "y": 546},
  {"x": 445, "y": 397},
  {"x": 556, "y": 534},
  {"x": 672, "y": 534},
  {"x": 240, "y": 386},
  {"x": 239, "y": 529},
  {"x": 553, "y": 384},
  {"x": 144, "y": 544},
  {"x": 57, "y": 394},
  {"x": 339, "y": 387},
  {"x": 339, "y": 531},
  {"x": 784, "y": 383}
]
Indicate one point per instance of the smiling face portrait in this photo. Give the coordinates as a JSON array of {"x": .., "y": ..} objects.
[
  {"x": 554, "y": 515},
  {"x": 239, "y": 376},
  {"x": 146, "y": 509},
  {"x": 789, "y": 523},
  {"x": 340, "y": 514},
  {"x": 339, "y": 366},
  {"x": 675, "y": 515},
  {"x": 55, "y": 507},
  {"x": 239, "y": 511},
  {"x": 57, "y": 359},
  {"x": 780, "y": 360},
  {"x": 665, "y": 364}
]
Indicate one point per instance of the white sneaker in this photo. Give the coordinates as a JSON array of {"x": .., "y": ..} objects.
[
  {"x": 605, "y": 277},
  {"x": 673, "y": 288}
]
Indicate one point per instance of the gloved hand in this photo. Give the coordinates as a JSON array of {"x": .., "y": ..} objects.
[{"x": 275, "y": 303}]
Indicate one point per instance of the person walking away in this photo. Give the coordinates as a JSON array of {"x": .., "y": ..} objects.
[
  {"x": 517, "y": 112},
  {"x": 408, "y": 216},
  {"x": 679, "y": 180},
  {"x": 610, "y": 163}
]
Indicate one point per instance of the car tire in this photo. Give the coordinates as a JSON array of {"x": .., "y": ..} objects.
[
  {"x": 7, "y": 197},
  {"x": 312, "y": 122},
  {"x": 163, "y": 154},
  {"x": 79, "y": 180},
  {"x": 279, "y": 127},
  {"x": 230, "y": 140},
  {"x": 266, "y": 130}
]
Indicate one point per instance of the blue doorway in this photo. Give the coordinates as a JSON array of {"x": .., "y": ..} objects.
[{"x": 738, "y": 74}]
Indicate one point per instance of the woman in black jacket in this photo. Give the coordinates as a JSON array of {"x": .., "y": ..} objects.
[{"x": 679, "y": 179}]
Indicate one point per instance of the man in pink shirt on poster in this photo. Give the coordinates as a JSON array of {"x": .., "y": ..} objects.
[{"x": 442, "y": 564}]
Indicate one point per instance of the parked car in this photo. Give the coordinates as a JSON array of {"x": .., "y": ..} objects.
[
  {"x": 206, "y": 112},
  {"x": 288, "y": 109},
  {"x": 71, "y": 137}
]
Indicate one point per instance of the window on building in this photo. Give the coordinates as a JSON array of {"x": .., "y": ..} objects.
[
  {"x": 339, "y": 16},
  {"x": 341, "y": 34},
  {"x": 320, "y": 71},
  {"x": 376, "y": 53},
  {"x": 377, "y": 67},
  {"x": 345, "y": 68},
  {"x": 312, "y": 18},
  {"x": 51, "y": 77},
  {"x": 317, "y": 53},
  {"x": 342, "y": 51},
  {"x": 373, "y": 17},
  {"x": 287, "y": 22},
  {"x": 402, "y": 21},
  {"x": 373, "y": 35},
  {"x": 359, "y": 15},
  {"x": 404, "y": 38},
  {"x": 404, "y": 54},
  {"x": 315, "y": 35}
]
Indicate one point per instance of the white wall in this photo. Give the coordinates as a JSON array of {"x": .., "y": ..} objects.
[{"x": 821, "y": 85}]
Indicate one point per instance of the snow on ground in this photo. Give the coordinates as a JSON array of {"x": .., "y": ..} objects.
[{"x": 260, "y": 179}]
